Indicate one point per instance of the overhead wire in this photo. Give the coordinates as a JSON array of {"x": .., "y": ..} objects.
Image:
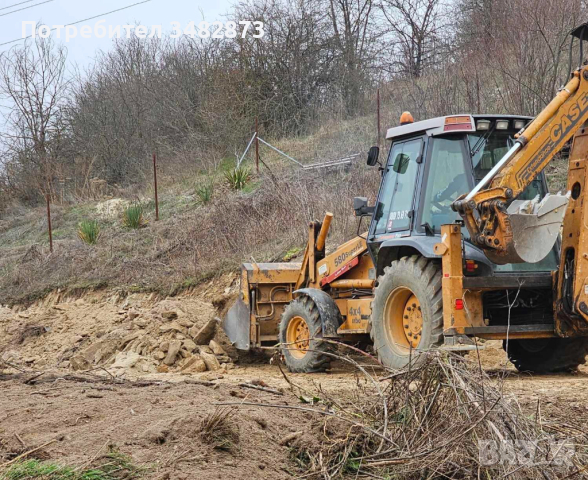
[
  {"x": 16, "y": 4},
  {"x": 80, "y": 21},
  {"x": 25, "y": 8}
]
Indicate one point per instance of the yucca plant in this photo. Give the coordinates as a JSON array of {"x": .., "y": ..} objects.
[
  {"x": 204, "y": 192},
  {"x": 89, "y": 231},
  {"x": 238, "y": 177},
  {"x": 133, "y": 216}
]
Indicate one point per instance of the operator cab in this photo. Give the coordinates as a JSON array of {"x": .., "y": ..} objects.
[{"x": 432, "y": 162}]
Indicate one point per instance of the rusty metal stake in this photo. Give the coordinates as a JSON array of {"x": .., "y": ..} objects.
[
  {"x": 256, "y": 146},
  {"x": 155, "y": 183},
  {"x": 47, "y": 198}
]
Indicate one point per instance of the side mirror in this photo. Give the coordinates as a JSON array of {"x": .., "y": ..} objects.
[
  {"x": 360, "y": 205},
  {"x": 373, "y": 155}
]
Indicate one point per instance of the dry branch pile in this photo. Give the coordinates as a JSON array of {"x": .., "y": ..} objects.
[{"x": 442, "y": 419}]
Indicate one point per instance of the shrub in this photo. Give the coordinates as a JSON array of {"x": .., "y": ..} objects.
[
  {"x": 238, "y": 177},
  {"x": 204, "y": 192},
  {"x": 89, "y": 231},
  {"x": 133, "y": 216}
]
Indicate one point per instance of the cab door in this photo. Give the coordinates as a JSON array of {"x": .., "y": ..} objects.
[{"x": 394, "y": 210}]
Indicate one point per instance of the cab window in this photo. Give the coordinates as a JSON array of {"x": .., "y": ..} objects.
[
  {"x": 487, "y": 150},
  {"x": 394, "y": 207},
  {"x": 447, "y": 178}
]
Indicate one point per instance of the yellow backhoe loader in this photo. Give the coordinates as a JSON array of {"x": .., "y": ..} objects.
[{"x": 417, "y": 279}]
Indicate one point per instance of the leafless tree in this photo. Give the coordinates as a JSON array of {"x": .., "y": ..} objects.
[
  {"x": 355, "y": 36},
  {"x": 33, "y": 88},
  {"x": 417, "y": 28}
]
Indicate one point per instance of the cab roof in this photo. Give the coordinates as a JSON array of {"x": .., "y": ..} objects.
[{"x": 447, "y": 124}]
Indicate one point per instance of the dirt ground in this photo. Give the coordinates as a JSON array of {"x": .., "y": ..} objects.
[{"x": 154, "y": 412}]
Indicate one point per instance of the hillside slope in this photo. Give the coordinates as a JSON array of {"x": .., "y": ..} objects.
[{"x": 193, "y": 240}]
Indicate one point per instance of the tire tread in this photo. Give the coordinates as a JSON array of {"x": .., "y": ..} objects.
[
  {"x": 315, "y": 361},
  {"x": 429, "y": 273}
]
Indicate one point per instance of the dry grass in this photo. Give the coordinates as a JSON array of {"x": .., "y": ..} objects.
[
  {"x": 557, "y": 174},
  {"x": 220, "y": 429},
  {"x": 190, "y": 243},
  {"x": 195, "y": 239}
]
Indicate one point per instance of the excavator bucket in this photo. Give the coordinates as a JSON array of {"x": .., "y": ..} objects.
[
  {"x": 236, "y": 325},
  {"x": 535, "y": 226}
]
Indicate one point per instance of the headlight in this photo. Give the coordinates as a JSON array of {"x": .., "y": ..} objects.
[
  {"x": 483, "y": 124},
  {"x": 501, "y": 124},
  {"x": 519, "y": 124}
]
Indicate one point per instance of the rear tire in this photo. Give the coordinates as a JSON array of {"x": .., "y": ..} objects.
[
  {"x": 393, "y": 326},
  {"x": 547, "y": 355},
  {"x": 301, "y": 337}
]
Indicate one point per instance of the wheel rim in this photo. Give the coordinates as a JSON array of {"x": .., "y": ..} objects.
[
  {"x": 403, "y": 320},
  {"x": 298, "y": 337}
]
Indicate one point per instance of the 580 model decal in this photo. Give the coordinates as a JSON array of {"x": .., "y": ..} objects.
[{"x": 345, "y": 255}]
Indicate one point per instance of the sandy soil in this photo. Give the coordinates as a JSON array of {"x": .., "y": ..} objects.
[
  {"x": 157, "y": 425},
  {"x": 156, "y": 417}
]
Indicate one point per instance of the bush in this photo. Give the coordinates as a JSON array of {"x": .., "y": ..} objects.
[
  {"x": 89, "y": 231},
  {"x": 238, "y": 177},
  {"x": 133, "y": 217},
  {"x": 204, "y": 192}
]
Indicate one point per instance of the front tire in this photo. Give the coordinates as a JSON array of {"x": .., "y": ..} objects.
[
  {"x": 407, "y": 311},
  {"x": 547, "y": 355},
  {"x": 301, "y": 337}
]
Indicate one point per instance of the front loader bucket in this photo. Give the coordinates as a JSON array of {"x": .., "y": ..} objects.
[
  {"x": 236, "y": 325},
  {"x": 535, "y": 226}
]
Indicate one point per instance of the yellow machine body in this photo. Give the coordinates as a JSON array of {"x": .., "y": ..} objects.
[{"x": 267, "y": 288}]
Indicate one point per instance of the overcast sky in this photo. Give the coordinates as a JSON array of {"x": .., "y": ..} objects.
[{"x": 82, "y": 50}]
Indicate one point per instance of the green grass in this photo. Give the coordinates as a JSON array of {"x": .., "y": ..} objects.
[
  {"x": 251, "y": 186},
  {"x": 204, "y": 192},
  {"x": 114, "y": 466},
  {"x": 133, "y": 217},
  {"x": 78, "y": 212},
  {"x": 89, "y": 231},
  {"x": 238, "y": 177},
  {"x": 290, "y": 254},
  {"x": 227, "y": 164}
]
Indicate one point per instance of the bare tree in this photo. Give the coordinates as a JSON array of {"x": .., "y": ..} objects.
[
  {"x": 417, "y": 33},
  {"x": 33, "y": 87},
  {"x": 355, "y": 38}
]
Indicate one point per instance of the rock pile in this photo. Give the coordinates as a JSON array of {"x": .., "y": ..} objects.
[
  {"x": 197, "y": 353},
  {"x": 161, "y": 339}
]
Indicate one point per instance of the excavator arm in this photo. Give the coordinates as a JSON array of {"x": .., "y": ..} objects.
[{"x": 514, "y": 231}]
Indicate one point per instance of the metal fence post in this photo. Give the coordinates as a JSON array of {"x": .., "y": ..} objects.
[
  {"x": 47, "y": 198},
  {"x": 378, "y": 114},
  {"x": 155, "y": 183}
]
